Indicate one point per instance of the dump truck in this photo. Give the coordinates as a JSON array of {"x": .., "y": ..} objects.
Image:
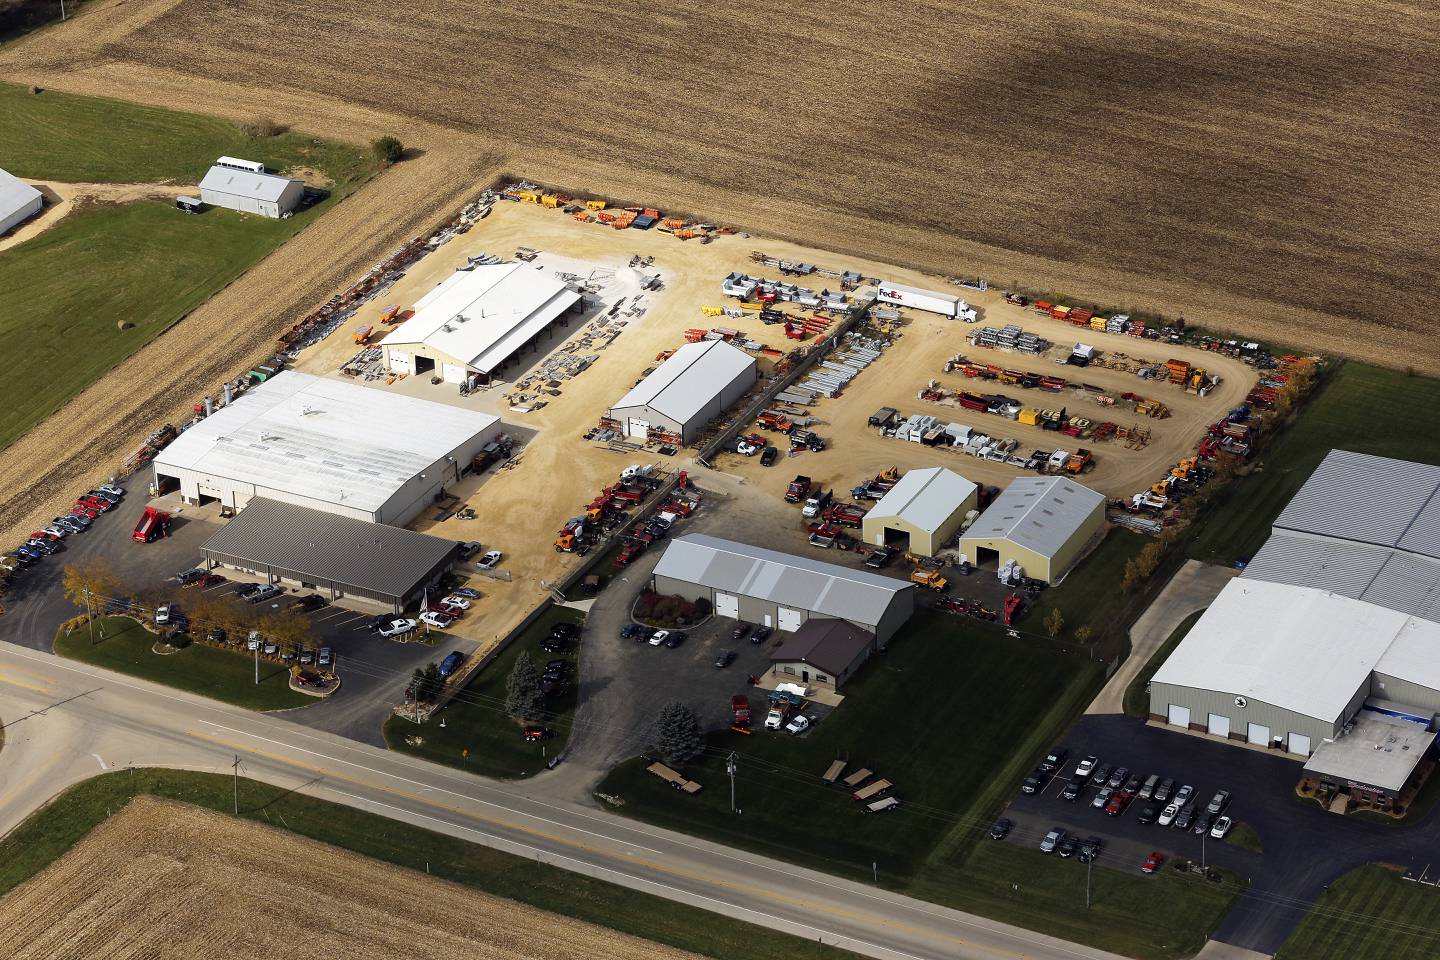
[
  {"x": 362, "y": 334},
  {"x": 929, "y": 579},
  {"x": 798, "y": 490},
  {"x": 1079, "y": 461}
]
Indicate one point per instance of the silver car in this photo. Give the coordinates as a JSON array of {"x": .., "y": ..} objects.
[{"x": 1052, "y": 840}]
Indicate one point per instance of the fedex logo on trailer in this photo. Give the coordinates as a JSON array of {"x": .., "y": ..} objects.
[{"x": 892, "y": 294}]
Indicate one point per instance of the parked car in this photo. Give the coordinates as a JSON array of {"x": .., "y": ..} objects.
[
  {"x": 246, "y": 590},
  {"x": 1052, "y": 840},
  {"x": 1118, "y": 802},
  {"x": 267, "y": 592},
  {"x": 252, "y": 642},
  {"x": 1102, "y": 798},
  {"x": 209, "y": 580},
  {"x": 433, "y": 619},
  {"x": 1035, "y": 783},
  {"x": 659, "y": 637},
  {"x": 1086, "y": 767},
  {"x": 216, "y": 635},
  {"x": 676, "y": 638},
  {"x": 456, "y": 601},
  {"x": 469, "y": 593},
  {"x": 724, "y": 658},
  {"x": 307, "y": 656},
  {"x": 451, "y": 663},
  {"x": 105, "y": 495},
  {"x": 1101, "y": 774},
  {"x": 311, "y": 601},
  {"x": 1118, "y": 777},
  {"x": 1183, "y": 795},
  {"x": 469, "y": 548},
  {"x": 565, "y": 629},
  {"x": 1066, "y": 848},
  {"x": 57, "y": 531},
  {"x": 96, "y": 503},
  {"x": 774, "y": 719},
  {"x": 1168, "y": 815},
  {"x": 761, "y": 634},
  {"x": 323, "y": 657},
  {"x": 1147, "y": 790},
  {"x": 1000, "y": 829},
  {"x": 46, "y": 546},
  {"x": 1162, "y": 792},
  {"x": 271, "y": 648},
  {"x": 1219, "y": 802},
  {"x": 798, "y": 725},
  {"x": 397, "y": 626},
  {"x": 1221, "y": 827},
  {"x": 113, "y": 488},
  {"x": 1202, "y": 824},
  {"x": 1148, "y": 813},
  {"x": 1184, "y": 817},
  {"x": 81, "y": 510},
  {"x": 1054, "y": 759},
  {"x": 740, "y": 631},
  {"x": 1152, "y": 862},
  {"x": 1071, "y": 791},
  {"x": 491, "y": 560},
  {"x": 536, "y": 733},
  {"x": 769, "y": 456},
  {"x": 1089, "y": 850},
  {"x": 162, "y": 614},
  {"x": 76, "y": 523}
]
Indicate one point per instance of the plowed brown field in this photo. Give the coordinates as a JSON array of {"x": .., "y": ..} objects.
[{"x": 163, "y": 880}]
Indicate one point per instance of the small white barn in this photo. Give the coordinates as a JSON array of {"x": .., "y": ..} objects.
[
  {"x": 18, "y": 202},
  {"x": 248, "y": 190}
]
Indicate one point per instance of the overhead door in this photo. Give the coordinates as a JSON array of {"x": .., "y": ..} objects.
[
  {"x": 454, "y": 373},
  {"x": 1178, "y": 716},
  {"x": 1299, "y": 744},
  {"x": 399, "y": 362},
  {"x": 1259, "y": 735},
  {"x": 790, "y": 619},
  {"x": 637, "y": 428},
  {"x": 727, "y": 605},
  {"x": 1220, "y": 726}
]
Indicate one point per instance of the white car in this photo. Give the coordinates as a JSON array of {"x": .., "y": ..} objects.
[
  {"x": 659, "y": 637},
  {"x": 1168, "y": 815},
  {"x": 1086, "y": 767},
  {"x": 797, "y": 726},
  {"x": 490, "y": 561},
  {"x": 57, "y": 531},
  {"x": 1221, "y": 827},
  {"x": 162, "y": 614},
  {"x": 253, "y": 641},
  {"x": 774, "y": 719},
  {"x": 455, "y": 600},
  {"x": 397, "y": 627},
  {"x": 119, "y": 491},
  {"x": 433, "y": 619}
]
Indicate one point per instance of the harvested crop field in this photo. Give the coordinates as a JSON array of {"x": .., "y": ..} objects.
[
  {"x": 1264, "y": 168},
  {"x": 162, "y": 879}
]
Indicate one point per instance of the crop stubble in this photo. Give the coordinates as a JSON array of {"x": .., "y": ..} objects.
[{"x": 164, "y": 880}]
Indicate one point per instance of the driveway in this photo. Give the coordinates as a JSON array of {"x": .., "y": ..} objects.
[{"x": 1305, "y": 848}]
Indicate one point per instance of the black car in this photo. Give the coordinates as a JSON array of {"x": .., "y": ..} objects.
[
  {"x": 564, "y": 630},
  {"x": 630, "y": 630},
  {"x": 554, "y": 644},
  {"x": 724, "y": 658},
  {"x": 188, "y": 576},
  {"x": 216, "y": 635},
  {"x": 761, "y": 634},
  {"x": 557, "y": 666},
  {"x": 1163, "y": 791},
  {"x": 310, "y": 602},
  {"x": 247, "y": 589},
  {"x": 1071, "y": 791},
  {"x": 1184, "y": 818},
  {"x": 1035, "y": 782},
  {"x": 676, "y": 638},
  {"x": 769, "y": 456},
  {"x": 378, "y": 621},
  {"x": 1054, "y": 759},
  {"x": 1148, "y": 813},
  {"x": 1067, "y": 847},
  {"x": 1089, "y": 850},
  {"x": 1000, "y": 829},
  {"x": 1202, "y": 824}
]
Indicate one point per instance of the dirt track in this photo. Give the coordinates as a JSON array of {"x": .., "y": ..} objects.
[{"x": 163, "y": 880}]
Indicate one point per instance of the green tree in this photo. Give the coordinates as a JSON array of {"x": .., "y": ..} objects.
[
  {"x": 387, "y": 149},
  {"x": 426, "y": 684},
  {"x": 677, "y": 733},
  {"x": 1084, "y": 633},
  {"x": 523, "y": 697},
  {"x": 1054, "y": 623}
]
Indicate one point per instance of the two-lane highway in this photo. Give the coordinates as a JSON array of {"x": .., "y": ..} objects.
[{"x": 66, "y": 722}]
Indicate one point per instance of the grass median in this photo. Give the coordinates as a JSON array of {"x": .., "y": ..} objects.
[
  {"x": 478, "y": 735},
  {"x": 1369, "y": 914},
  {"x": 47, "y": 834},
  {"x": 123, "y": 645}
]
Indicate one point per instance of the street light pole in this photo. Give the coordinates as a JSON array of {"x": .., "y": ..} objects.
[
  {"x": 89, "y": 617},
  {"x": 730, "y": 769},
  {"x": 1088, "y": 864}
]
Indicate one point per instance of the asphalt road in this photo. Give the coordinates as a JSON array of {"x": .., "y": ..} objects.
[{"x": 66, "y": 722}]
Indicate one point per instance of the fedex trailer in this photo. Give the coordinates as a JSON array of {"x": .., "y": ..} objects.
[{"x": 927, "y": 300}]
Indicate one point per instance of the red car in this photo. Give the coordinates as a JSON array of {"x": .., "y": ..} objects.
[
  {"x": 85, "y": 511},
  {"x": 1118, "y": 803},
  {"x": 536, "y": 733},
  {"x": 42, "y": 535},
  {"x": 96, "y": 503},
  {"x": 1152, "y": 862}
]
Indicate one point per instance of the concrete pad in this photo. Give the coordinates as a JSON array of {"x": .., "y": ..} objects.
[{"x": 1215, "y": 950}]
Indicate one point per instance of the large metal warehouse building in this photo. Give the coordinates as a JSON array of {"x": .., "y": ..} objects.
[
  {"x": 694, "y": 386},
  {"x": 1042, "y": 523},
  {"x": 250, "y": 190},
  {"x": 1331, "y": 638},
  {"x": 340, "y": 556},
  {"x": 927, "y": 506},
  {"x": 778, "y": 589},
  {"x": 475, "y": 321},
  {"x": 18, "y": 202},
  {"x": 333, "y": 446}
]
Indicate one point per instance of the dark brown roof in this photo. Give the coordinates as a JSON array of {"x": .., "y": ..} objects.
[{"x": 829, "y": 645}]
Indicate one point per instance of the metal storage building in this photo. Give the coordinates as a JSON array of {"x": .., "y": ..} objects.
[
  {"x": 340, "y": 556},
  {"x": 779, "y": 589},
  {"x": 266, "y": 194},
  {"x": 694, "y": 386},
  {"x": 825, "y": 653},
  {"x": 927, "y": 505},
  {"x": 18, "y": 202},
  {"x": 333, "y": 446},
  {"x": 475, "y": 321},
  {"x": 1043, "y": 523}
]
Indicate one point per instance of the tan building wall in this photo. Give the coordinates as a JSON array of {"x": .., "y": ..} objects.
[
  {"x": 923, "y": 543},
  {"x": 1038, "y": 565}
]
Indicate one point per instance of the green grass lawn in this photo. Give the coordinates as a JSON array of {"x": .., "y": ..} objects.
[
  {"x": 1369, "y": 914},
  {"x": 1137, "y": 697},
  {"x": 478, "y": 735},
  {"x": 1090, "y": 595},
  {"x": 49, "y": 833},
  {"x": 210, "y": 672},
  {"x": 142, "y": 263},
  {"x": 1243, "y": 835},
  {"x": 1357, "y": 407}
]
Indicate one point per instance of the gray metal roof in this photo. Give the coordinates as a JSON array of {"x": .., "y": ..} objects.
[
  {"x": 694, "y": 375},
  {"x": 830, "y": 644},
  {"x": 1039, "y": 513},
  {"x": 782, "y": 578},
  {"x": 321, "y": 546},
  {"x": 1398, "y": 581},
  {"x": 15, "y": 194},
  {"x": 243, "y": 183},
  {"x": 1368, "y": 499},
  {"x": 926, "y": 498}
]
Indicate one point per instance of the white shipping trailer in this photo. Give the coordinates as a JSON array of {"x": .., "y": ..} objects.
[{"x": 928, "y": 300}]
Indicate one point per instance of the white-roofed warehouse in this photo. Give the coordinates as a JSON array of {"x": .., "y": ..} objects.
[
  {"x": 475, "y": 321},
  {"x": 249, "y": 191},
  {"x": 18, "y": 202},
  {"x": 780, "y": 590},
  {"x": 329, "y": 445},
  {"x": 1042, "y": 523},
  {"x": 927, "y": 506},
  {"x": 694, "y": 386}
]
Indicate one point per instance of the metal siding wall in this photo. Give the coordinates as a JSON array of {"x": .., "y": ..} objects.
[
  {"x": 1405, "y": 691},
  {"x": 1205, "y": 702},
  {"x": 901, "y": 609},
  {"x": 1070, "y": 550},
  {"x": 683, "y": 588},
  {"x": 731, "y": 393}
]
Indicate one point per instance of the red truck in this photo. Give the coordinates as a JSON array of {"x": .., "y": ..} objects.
[
  {"x": 846, "y": 515},
  {"x": 152, "y": 526},
  {"x": 973, "y": 401},
  {"x": 740, "y": 711},
  {"x": 799, "y": 489}
]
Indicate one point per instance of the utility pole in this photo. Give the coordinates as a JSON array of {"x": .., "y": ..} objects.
[
  {"x": 730, "y": 769},
  {"x": 236, "y": 765},
  {"x": 89, "y": 617},
  {"x": 257, "y": 661},
  {"x": 1088, "y": 864}
]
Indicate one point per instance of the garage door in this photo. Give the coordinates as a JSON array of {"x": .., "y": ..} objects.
[
  {"x": 727, "y": 605},
  {"x": 1259, "y": 735},
  {"x": 454, "y": 373},
  {"x": 1220, "y": 726},
  {"x": 790, "y": 619},
  {"x": 399, "y": 362},
  {"x": 637, "y": 428},
  {"x": 1178, "y": 716},
  {"x": 1300, "y": 744}
]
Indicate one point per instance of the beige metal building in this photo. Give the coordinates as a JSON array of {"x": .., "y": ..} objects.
[
  {"x": 923, "y": 511},
  {"x": 1042, "y": 523}
]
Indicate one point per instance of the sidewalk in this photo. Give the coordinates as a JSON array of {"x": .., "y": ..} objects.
[{"x": 1194, "y": 587}]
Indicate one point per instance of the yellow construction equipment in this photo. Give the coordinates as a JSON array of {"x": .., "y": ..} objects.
[
  {"x": 528, "y": 196},
  {"x": 713, "y": 311},
  {"x": 595, "y": 204},
  {"x": 1182, "y": 470},
  {"x": 892, "y": 475},
  {"x": 929, "y": 579},
  {"x": 550, "y": 200}
]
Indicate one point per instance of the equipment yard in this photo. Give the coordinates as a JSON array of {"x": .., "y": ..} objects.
[{"x": 251, "y": 891}]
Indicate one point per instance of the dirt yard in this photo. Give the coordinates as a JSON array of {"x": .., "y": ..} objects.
[{"x": 163, "y": 880}]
